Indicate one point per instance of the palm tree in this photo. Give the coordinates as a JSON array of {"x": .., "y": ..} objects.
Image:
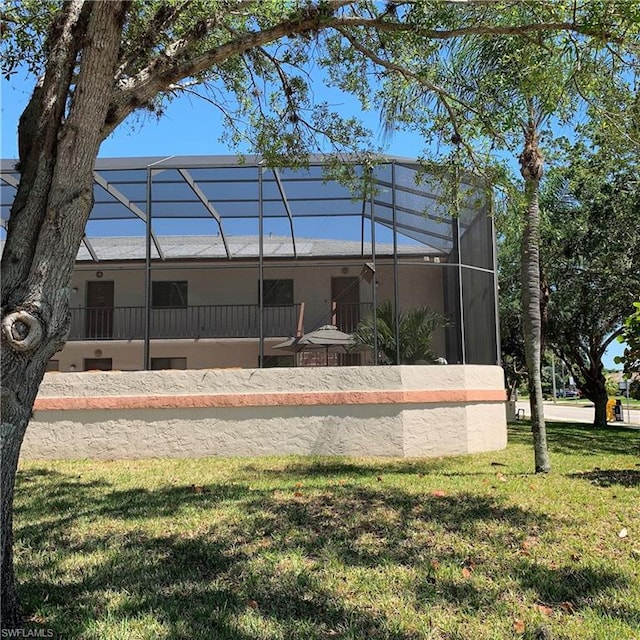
[
  {"x": 416, "y": 329},
  {"x": 531, "y": 169}
]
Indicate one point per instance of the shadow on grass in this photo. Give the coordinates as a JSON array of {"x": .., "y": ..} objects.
[
  {"x": 567, "y": 583},
  {"x": 332, "y": 467},
  {"x": 610, "y": 477},
  {"x": 262, "y": 563},
  {"x": 581, "y": 439}
]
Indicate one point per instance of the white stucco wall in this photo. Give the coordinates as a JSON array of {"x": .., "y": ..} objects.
[{"x": 361, "y": 411}]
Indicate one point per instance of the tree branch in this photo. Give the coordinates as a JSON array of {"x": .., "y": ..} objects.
[
  {"x": 479, "y": 30},
  {"x": 443, "y": 95},
  {"x": 175, "y": 62},
  {"x": 186, "y": 89},
  {"x": 165, "y": 16},
  {"x": 609, "y": 340}
]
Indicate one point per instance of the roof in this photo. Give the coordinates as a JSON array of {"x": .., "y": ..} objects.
[
  {"x": 224, "y": 190},
  {"x": 118, "y": 249}
]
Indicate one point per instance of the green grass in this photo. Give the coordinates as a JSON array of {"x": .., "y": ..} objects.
[{"x": 468, "y": 548}]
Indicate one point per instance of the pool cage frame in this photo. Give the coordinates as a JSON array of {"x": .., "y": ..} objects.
[{"x": 390, "y": 193}]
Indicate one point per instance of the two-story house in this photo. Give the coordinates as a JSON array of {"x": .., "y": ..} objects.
[{"x": 207, "y": 262}]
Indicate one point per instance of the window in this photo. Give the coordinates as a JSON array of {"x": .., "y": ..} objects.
[
  {"x": 98, "y": 364},
  {"x": 277, "y": 292},
  {"x": 169, "y": 294},
  {"x": 168, "y": 363},
  {"x": 278, "y": 361}
]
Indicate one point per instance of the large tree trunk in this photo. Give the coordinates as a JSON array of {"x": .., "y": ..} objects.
[
  {"x": 531, "y": 163},
  {"x": 595, "y": 389},
  {"x": 59, "y": 135},
  {"x": 600, "y": 412},
  {"x": 585, "y": 363}
]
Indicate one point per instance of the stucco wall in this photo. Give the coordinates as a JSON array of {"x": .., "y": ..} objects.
[{"x": 362, "y": 411}]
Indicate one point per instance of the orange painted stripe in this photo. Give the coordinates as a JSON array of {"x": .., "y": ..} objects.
[{"x": 299, "y": 398}]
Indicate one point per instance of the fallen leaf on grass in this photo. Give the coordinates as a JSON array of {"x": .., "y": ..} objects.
[
  {"x": 435, "y": 564},
  {"x": 196, "y": 488},
  {"x": 466, "y": 572},
  {"x": 623, "y": 533},
  {"x": 438, "y": 493},
  {"x": 501, "y": 477},
  {"x": 568, "y": 607},
  {"x": 528, "y": 542},
  {"x": 518, "y": 626},
  {"x": 252, "y": 604},
  {"x": 544, "y": 609},
  {"x": 298, "y": 494}
]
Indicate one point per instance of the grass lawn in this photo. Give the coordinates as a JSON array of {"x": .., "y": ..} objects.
[{"x": 468, "y": 548}]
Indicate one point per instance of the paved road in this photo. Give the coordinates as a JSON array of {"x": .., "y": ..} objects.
[{"x": 579, "y": 414}]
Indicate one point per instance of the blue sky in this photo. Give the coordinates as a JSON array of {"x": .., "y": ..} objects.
[{"x": 192, "y": 127}]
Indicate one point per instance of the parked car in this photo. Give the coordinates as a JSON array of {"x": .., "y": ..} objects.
[{"x": 567, "y": 393}]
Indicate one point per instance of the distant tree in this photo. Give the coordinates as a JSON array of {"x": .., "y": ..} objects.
[
  {"x": 630, "y": 335},
  {"x": 591, "y": 260},
  {"x": 416, "y": 327}
]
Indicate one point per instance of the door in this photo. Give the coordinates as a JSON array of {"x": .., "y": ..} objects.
[
  {"x": 345, "y": 303},
  {"x": 99, "y": 318}
]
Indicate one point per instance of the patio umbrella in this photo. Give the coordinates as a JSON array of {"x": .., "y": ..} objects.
[{"x": 327, "y": 337}]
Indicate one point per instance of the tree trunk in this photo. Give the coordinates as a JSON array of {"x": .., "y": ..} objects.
[
  {"x": 59, "y": 134},
  {"x": 531, "y": 164},
  {"x": 595, "y": 389},
  {"x": 600, "y": 411}
]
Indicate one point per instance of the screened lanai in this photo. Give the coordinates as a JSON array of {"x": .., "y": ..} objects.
[{"x": 389, "y": 224}]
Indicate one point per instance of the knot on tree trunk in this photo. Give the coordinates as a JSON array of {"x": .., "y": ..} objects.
[
  {"x": 22, "y": 330},
  {"x": 531, "y": 159},
  {"x": 531, "y": 162}
]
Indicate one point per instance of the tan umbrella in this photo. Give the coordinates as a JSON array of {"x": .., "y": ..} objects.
[{"x": 327, "y": 337}]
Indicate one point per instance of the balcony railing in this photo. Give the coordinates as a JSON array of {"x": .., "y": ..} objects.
[
  {"x": 347, "y": 315},
  {"x": 210, "y": 321}
]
